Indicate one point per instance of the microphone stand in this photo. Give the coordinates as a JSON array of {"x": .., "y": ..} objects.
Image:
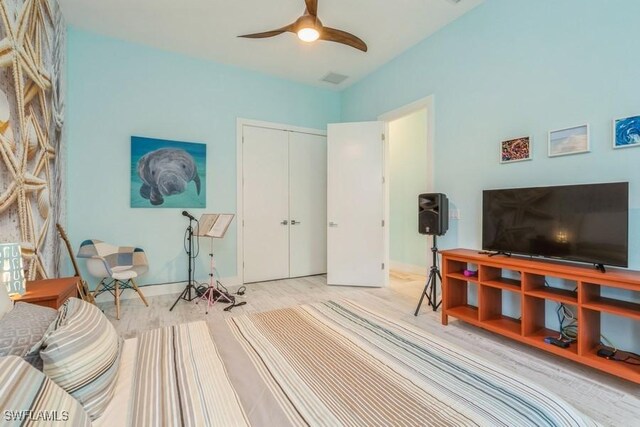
[{"x": 186, "y": 293}]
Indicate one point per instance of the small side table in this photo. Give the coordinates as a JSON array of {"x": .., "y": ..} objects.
[{"x": 50, "y": 292}]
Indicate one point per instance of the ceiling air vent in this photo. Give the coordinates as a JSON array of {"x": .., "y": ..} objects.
[{"x": 334, "y": 78}]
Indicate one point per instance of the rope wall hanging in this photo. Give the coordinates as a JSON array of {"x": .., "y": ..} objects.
[{"x": 32, "y": 45}]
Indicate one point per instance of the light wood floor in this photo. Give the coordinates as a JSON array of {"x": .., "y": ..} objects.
[{"x": 606, "y": 399}]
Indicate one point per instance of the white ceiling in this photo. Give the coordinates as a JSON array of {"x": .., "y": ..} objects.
[{"x": 208, "y": 29}]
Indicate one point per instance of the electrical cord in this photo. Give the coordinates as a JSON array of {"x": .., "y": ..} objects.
[
  {"x": 630, "y": 358},
  {"x": 567, "y": 332}
]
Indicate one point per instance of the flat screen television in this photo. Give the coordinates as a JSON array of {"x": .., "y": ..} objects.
[{"x": 585, "y": 223}]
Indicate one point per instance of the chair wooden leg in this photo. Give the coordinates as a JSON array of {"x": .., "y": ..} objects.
[
  {"x": 90, "y": 297},
  {"x": 117, "y": 294},
  {"x": 137, "y": 289}
]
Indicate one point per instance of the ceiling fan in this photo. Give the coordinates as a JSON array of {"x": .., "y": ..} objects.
[{"x": 309, "y": 29}]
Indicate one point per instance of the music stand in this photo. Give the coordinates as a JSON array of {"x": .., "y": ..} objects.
[{"x": 214, "y": 226}]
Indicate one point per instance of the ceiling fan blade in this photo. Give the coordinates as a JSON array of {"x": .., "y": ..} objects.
[
  {"x": 339, "y": 36},
  {"x": 312, "y": 7},
  {"x": 266, "y": 34}
]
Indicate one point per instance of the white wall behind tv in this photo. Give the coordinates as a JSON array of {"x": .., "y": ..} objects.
[{"x": 515, "y": 68}]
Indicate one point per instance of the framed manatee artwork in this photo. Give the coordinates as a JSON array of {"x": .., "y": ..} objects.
[{"x": 167, "y": 174}]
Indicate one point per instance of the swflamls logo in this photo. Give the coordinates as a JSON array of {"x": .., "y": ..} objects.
[{"x": 28, "y": 415}]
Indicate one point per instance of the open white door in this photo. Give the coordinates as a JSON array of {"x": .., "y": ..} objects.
[{"x": 355, "y": 204}]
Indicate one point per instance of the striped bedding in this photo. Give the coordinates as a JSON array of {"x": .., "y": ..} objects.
[
  {"x": 341, "y": 364},
  {"x": 81, "y": 353},
  {"x": 29, "y": 398},
  {"x": 181, "y": 381}
]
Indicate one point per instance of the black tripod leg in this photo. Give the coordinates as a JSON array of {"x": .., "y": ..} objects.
[
  {"x": 182, "y": 295},
  {"x": 425, "y": 292},
  {"x": 434, "y": 290}
]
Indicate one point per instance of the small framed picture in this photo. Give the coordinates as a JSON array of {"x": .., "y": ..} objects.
[
  {"x": 515, "y": 150},
  {"x": 567, "y": 141},
  {"x": 626, "y": 132}
]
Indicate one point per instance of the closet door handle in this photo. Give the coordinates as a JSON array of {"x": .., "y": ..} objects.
[
  {"x": 284, "y": 222},
  {"x": 333, "y": 224},
  {"x": 294, "y": 222}
]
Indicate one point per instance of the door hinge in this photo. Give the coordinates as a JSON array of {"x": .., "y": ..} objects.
[
  {"x": 243, "y": 139},
  {"x": 383, "y": 265},
  {"x": 383, "y": 137},
  {"x": 243, "y": 222},
  {"x": 383, "y": 222},
  {"x": 383, "y": 180}
]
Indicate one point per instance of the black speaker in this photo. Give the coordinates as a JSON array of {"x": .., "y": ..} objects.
[{"x": 433, "y": 214}]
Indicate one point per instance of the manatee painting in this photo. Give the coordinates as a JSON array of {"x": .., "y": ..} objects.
[{"x": 167, "y": 173}]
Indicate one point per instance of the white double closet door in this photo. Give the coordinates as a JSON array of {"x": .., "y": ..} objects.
[{"x": 284, "y": 204}]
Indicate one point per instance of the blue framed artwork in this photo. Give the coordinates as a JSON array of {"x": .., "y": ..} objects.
[
  {"x": 167, "y": 174},
  {"x": 626, "y": 132}
]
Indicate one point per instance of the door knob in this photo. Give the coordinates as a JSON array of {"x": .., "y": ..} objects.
[
  {"x": 285, "y": 222},
  {"x": 294, "y": 222},
  {"x": 333, "y": 224}
]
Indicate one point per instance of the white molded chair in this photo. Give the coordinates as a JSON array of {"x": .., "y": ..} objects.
[{"x": 116, "y": 266}]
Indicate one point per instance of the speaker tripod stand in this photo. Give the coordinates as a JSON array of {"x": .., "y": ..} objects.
[{"x": 431, "y": 288}]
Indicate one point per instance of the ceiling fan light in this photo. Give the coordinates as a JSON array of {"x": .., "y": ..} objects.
[{"x": 308, "y": 34}]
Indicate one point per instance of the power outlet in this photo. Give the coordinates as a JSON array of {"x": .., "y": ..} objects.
[{"x": 454, "y": 214}]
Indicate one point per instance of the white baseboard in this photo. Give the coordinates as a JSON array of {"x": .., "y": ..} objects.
[
  {"x": 163, "y": 289},
  {"x": 408, "y": 268}
]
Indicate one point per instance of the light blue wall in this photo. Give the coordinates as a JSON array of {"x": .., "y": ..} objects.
[
  {"x": 118, "y": 89},
  {"x": 407, "y": 179},
  {"x": 512, "y": 68}
]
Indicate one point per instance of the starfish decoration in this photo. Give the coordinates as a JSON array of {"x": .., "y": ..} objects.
[
  {"x": 16, "y": 50},
  {"x": 40, "y": 13},
  {"x": 22, "y": 183},
  {"x": 27, "y": 46},
  {"x": 46, "y": 152}
]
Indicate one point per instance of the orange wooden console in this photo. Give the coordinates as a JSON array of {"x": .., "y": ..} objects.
[{"x": 526, "y": 279}]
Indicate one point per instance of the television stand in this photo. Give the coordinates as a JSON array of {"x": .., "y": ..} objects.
[
  {"x": 531, "y": 285},
  {"x": 600, "y": 268}
]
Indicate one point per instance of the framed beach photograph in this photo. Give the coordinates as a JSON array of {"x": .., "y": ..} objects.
[
  {"x": 626, "y": 132},
  {"x": 515, "y": 150},
  {"x": 167, "y": 174},
  {"x": 573, "y": 140}
]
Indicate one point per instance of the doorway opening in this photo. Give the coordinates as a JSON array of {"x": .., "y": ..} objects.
[{"x": 409, "y": 172}]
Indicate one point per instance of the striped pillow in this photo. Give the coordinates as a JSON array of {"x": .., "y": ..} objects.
[
  {"x": 28, "y": 397},
  {"x": 81, "y": 353}
]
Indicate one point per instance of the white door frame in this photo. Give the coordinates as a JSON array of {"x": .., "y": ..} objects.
[
  {"x": 427, "y": 103},
  {"x": 240, "y": 122}
]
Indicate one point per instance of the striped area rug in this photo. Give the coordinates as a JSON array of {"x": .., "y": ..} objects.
[{"x": 341, "y": 364}]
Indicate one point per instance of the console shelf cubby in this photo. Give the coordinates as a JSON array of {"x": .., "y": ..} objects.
[{"x": 527, "y": 283}]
